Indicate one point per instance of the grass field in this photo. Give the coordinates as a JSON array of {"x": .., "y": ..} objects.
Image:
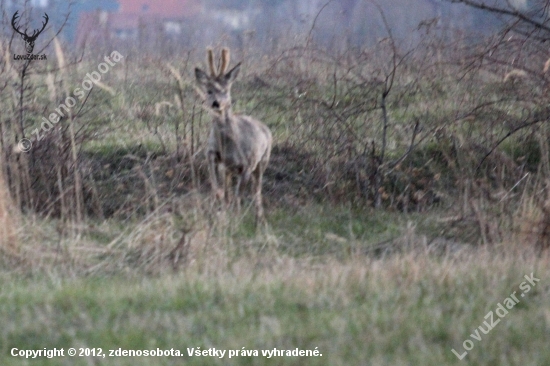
[
  {"x": 312, "y": 282},
  {"x": 407, "y": 199}
]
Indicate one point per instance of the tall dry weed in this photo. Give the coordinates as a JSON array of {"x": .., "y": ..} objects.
[
  {"x": 532, "y": 222},
  {"x": 8, "y": 222}
]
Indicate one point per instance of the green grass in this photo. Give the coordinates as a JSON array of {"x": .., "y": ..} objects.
[
  {"x": 305, "y": 283},
  {"x": 408, "y": 309}
]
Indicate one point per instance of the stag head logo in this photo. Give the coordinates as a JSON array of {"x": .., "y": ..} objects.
[{"x": 29, "y": 39}]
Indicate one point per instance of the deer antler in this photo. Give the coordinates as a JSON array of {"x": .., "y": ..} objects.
[
  {"x": 15, "y": 27},
  {"x": 36, "y": 31},
  {"x": 25, "y": 35},
  {"x": 223, "y": 65},
  {"x": 211, "y": 62},
  {"x": 225, "y": 61}
]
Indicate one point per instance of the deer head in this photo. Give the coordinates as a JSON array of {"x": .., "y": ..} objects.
[
  {"x": 29, "y": 39},
  {"x": 216, "y": 87}
]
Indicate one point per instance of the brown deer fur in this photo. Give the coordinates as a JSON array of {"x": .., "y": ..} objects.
[{"x": 238, "y": 145}]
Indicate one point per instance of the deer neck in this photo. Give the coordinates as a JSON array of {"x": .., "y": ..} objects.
[{"x": 226, "y": 120}]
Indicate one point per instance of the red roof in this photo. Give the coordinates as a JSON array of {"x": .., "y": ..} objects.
[
  {"x": 124, "y": 21},
  {"x": 98, "y": 26},
  {"x": 163, "y": 8}
]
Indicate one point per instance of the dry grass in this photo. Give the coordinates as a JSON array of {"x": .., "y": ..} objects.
[
  {"x": 408, "y": 306},
  {"x": 531, "y": 227},
  {"x": 9, "y": 222}
]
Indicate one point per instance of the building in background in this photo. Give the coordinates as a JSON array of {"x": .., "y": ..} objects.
[
  {"x": 142, "y": 21},
  {"x": 172, "y": 25}
]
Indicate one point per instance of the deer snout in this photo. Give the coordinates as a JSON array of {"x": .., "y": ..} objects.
[{"x": 215, "y": 104}]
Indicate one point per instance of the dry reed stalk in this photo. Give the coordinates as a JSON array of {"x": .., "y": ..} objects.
[
  {"x": 532, "y": 220},
  {"x": 8, "y": 221},
  {"x": 515, "y": 74},
  {"x": 180, "y": 101},
  {"x": 78, "y": 196}
]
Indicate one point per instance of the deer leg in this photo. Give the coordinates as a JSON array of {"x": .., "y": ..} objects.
[
  {"x": 257, "y": 190},
  {"x": 227, "y": 177},
  {"x": 242, "y": 179},
  {"x": 213, "y": 168}
]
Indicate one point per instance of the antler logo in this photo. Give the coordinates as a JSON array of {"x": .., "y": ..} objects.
[{"x": 29, "y": 39}]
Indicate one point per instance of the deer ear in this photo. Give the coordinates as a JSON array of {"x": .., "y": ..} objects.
[
  {"x": 201, "y": 76},
  {"x": 232, "y": 74}
]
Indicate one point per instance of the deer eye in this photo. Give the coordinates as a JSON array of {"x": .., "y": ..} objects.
[{"x": 209, "y": 92}]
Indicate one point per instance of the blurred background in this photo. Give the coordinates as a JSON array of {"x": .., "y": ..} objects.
[
  {"x": 400, "y": 106},
  {"x": 168, "y": 25}
]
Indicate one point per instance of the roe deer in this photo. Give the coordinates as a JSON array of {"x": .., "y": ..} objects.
[{"x": 237, "y": 144}]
